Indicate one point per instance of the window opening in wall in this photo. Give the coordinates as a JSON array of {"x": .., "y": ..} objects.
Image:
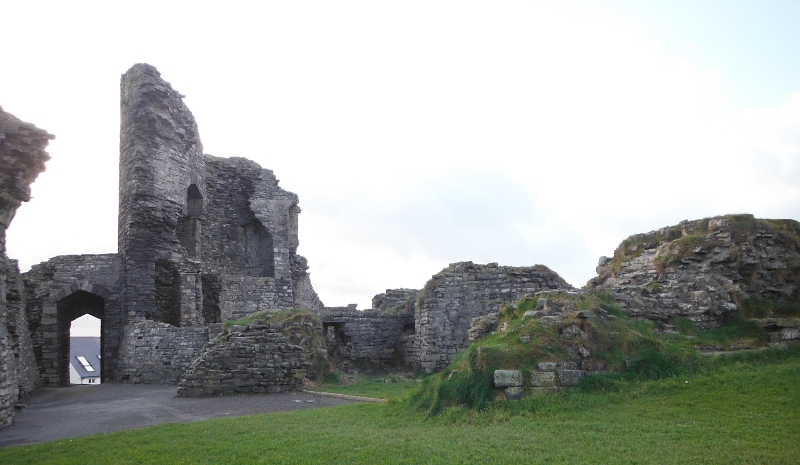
[
  {"x": 335, "y": 338},
  {"x": 189, "y": 225},
  {"x": 194, "y": 201},
  {"x": 259, "y": 254},
  {"x": 212, "y": 286},
  {"x": 293, "y": 239},
  {"x": 167, "y": 282}
]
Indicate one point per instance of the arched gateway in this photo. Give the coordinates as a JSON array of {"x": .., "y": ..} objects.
[{"x": 58, "y": 311}]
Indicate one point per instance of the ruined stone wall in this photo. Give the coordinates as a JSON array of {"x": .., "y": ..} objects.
[
  {"x": 203, "y": 239},
  {"x": 396, "y": 300},
  {"x": 461, "y": 292},
  {"x": 262, "y": 357},
  {"x": 240, "y": 296},
  {"x": 235, "y": 242},
  {"x": 24, "y": 369},
  {"x": 161, "y": 199},
  {"x": 22, "y": 158},
  {"x": 64, "y": 288},
  {"x": 152, "y": 352},
  {"x": 704, "y": 269},
  {"x": 368, "y": 338},
  {"x": 250, "y": 241}
]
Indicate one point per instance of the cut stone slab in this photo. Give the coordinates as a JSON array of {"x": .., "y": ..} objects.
[
  {"x": 547, "y": 366},
  {"x": 507, "y": 378},
  {"x": 514, "y": 393},
  {"x": 543, "y": 379},
  {"x": 569, "y": 377}
]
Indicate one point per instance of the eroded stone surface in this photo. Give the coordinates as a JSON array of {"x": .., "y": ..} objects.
[
  {"x": 257, "y": 358},
  {"x": 22, "y": 158},
  {"x": 703, "y": 269},
  {"x": 463, "y": 291},
  {"x": 508, "y": 378}
]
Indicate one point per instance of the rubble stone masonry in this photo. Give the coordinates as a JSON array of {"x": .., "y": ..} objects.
[
  {"x": 461, "y": 292},
  {"x": 22, "y": 158}
]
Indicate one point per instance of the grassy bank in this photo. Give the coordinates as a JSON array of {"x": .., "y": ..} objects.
[{"x": 744, "y": 410}]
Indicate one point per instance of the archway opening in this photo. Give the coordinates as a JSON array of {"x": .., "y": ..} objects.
[
  {"x": 85, "y": 359},
  {"x": 70, "y": 308}
]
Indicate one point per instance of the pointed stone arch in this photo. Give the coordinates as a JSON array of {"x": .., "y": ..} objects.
[{"x": 79, "y": 298}]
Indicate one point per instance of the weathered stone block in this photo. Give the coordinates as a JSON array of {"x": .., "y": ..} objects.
[
  {"x": 508, "y": 378},
  {"x": 514, "y": 393},
  {"x": 547, "y": 366},
  {"x": 543, "y": 379},
  {"x": 569, "y": 377}
]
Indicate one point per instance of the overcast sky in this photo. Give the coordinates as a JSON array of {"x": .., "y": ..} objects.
[{"x": 419, "y": 134}]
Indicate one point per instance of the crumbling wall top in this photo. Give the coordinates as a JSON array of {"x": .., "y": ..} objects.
[{"x": 22, "y": 158}]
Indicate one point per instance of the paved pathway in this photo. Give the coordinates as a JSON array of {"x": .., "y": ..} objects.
[{"x": 56, "y": 413}]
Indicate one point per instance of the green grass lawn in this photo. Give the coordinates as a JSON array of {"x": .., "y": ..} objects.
[
  {"x": 381, "y": 387},
  {"x": 745, "y": 411}
]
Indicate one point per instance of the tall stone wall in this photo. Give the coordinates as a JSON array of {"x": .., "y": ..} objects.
[
  {"x": 368, "y": 338},
  {"x": 202, "y": 238},
  {"x": 22, "y": 158},
  {"x": 62, "y": 289},
  {"x": 461, "y": 292},
  {"x": 161, "y": 198},
  {"x": 704, "y": 269}
]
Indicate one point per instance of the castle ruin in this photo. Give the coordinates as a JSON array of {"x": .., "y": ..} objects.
[{"x": 203, "y": 240}]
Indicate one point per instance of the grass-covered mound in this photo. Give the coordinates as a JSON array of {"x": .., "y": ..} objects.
[{"x": 586, "y": 331}]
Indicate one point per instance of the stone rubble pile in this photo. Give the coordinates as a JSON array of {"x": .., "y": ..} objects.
[
  {"x": 261, "y": 357},
  {"x": 703, "y": 269}
]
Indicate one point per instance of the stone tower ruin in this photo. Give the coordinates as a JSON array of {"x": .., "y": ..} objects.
[{"x": 201, "y": 239}]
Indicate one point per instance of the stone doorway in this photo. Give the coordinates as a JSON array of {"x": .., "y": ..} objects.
[{"x": 69, "y": 308}]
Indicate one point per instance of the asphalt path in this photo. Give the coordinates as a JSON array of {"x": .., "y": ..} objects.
[{"x": 60, "y": 413}]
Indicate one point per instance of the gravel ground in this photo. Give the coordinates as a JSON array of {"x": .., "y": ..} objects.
[{"x": 57, "y": 413}]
